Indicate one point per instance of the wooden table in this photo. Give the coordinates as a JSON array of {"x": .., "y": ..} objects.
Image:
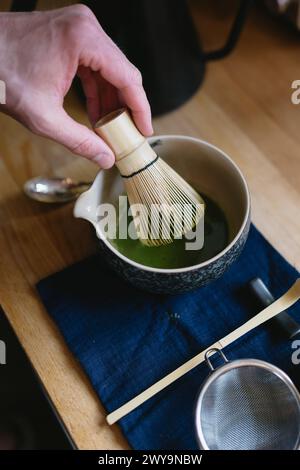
[{"x": 244, "y": 107}]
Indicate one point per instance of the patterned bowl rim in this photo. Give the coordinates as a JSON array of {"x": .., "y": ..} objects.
[{"x": 164, "y": 138}]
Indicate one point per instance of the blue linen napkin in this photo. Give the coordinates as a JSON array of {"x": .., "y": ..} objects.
[{"x": 126, "y": 339}]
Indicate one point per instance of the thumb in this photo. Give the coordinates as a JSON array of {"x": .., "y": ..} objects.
[{"x": 79, "y": 139}]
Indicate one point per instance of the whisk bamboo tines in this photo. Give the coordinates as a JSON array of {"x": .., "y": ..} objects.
[{"x": 164, "y": 206}]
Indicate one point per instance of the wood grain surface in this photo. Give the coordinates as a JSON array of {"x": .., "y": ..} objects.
[{"x": 244, "y": 107}]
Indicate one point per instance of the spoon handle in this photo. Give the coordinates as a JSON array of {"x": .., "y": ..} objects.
[{"x": 79, "y": 187}]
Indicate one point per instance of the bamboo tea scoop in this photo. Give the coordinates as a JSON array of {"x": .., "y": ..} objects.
[{"x": 281, "y": 304}]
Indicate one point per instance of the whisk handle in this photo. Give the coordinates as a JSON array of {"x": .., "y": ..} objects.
[
  {"x": 132, "y": 150},
  {"x": 283, "y": 320}
]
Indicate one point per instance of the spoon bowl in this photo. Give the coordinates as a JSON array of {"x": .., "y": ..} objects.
[{"x": 55, "y": 189}]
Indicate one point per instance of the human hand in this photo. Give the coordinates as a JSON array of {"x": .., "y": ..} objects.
[{"x": 41, "y": 52}]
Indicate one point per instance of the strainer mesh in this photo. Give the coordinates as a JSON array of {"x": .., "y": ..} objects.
[{"x": 249, "y": 408}]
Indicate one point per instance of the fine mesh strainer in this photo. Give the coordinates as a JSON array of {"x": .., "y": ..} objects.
[{"x": 247, "y": 404}]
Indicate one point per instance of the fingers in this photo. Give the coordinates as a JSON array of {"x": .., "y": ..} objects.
[
  {"x": 107, "y": 59},
  {"x": 135, "y": 99},
  {"x": 101, "y": 96},
  {"x": 108, "y": 96},
  {"x": 90, "y": 88},
  {"x": 127, "y": 79},
  {"x": 77, "y": 138}
]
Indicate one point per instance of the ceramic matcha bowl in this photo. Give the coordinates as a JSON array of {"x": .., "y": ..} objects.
[{"x": 207, "y": 169}]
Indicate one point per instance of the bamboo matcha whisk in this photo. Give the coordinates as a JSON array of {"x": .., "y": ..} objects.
[{"x": 164, "y": 206}]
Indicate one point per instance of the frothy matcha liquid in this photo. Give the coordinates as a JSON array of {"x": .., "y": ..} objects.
[{"x": 175, "y": 255}]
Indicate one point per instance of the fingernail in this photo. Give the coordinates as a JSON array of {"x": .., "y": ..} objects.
[
  {"x": 150, "y": 130},
  {"x": 105, "y": 160}
]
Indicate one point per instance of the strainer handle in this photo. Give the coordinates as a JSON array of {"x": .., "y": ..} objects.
[{"x": 214, "y": 350}]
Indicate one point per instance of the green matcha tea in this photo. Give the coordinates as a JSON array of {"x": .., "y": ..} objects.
[{"x": 175, "y": 255}]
